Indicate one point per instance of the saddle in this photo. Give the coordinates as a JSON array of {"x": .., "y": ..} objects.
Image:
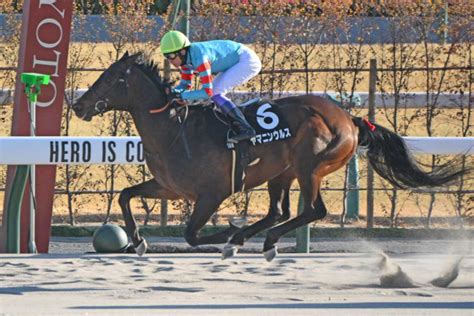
[{"x": 265, "y": 117}]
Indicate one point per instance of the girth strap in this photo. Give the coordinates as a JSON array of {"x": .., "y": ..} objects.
[{"x": 240, "y": 161}]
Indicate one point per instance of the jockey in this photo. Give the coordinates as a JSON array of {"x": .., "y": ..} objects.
[{"x": 233, "y": 63}]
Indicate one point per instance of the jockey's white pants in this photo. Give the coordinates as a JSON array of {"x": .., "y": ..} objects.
[{"x": 249, "y": 66}]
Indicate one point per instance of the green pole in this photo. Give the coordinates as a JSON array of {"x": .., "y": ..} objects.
[
  {"x": 446, "y": 21},
  {"x": 185, "y": 8},
  {"x": 302, "y": 233},
  {"x": 353, "y": 194},
  {"x": 370, "y": 171},
  {"x": 352, "y": 197},
  {"x": 14, "y": 208}
]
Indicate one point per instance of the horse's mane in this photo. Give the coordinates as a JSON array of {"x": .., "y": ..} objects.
[{"x": 150, "y": 69}]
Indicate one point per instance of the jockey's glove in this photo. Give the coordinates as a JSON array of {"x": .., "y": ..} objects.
[{"x": 178, "y": 90}]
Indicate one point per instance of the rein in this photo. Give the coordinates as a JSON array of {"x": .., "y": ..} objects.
[
  {"x": 181, "y": 121},
  {"x": 162, "y": 108},
  {"x": 181, "y": 132}
]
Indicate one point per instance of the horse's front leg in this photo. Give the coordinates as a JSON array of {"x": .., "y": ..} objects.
[
  {"x": 205, "y": 206},
  {"x": 147, "y": 189}
]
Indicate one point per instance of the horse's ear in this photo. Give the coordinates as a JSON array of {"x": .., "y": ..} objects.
[{"x": 125, "y": 56}]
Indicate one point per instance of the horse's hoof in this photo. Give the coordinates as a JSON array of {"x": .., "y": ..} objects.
[
  {"x": 238, "y": 222},
  {"x": 229, "y": 251},
  {"x": 142, "y": 247},
  {"x": 271, "y": 254}
]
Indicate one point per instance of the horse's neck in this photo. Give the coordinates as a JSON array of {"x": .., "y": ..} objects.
[{"x": 154, "y": 129}]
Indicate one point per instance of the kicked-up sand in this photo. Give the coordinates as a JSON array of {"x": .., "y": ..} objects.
[{"x": 183, "y": 284}]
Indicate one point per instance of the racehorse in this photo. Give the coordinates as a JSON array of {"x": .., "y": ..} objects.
[{"x": 325, "y": 137}]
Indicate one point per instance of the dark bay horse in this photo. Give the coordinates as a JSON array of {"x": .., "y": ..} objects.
[{"x": 325, "y": 138}]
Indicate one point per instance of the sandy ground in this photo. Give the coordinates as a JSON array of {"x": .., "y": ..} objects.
[{"x": 345, "y": 277}]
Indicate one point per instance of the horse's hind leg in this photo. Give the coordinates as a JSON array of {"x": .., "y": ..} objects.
[
  {"x": 279, "y": 211},
  {"x": 314, "y": 158},
  {"x": 314, "y": 209},
  {"x": 147, "y": 189}
]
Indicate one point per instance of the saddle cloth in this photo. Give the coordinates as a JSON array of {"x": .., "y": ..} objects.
[
  {"x": 266, "y": 118},
  {"x": 269, "y": 125}
]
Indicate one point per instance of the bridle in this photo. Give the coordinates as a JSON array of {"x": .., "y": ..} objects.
[{"x": 102, "y": 104}]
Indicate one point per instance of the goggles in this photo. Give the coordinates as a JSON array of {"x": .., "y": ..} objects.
[{"x": 171, "y": 56}]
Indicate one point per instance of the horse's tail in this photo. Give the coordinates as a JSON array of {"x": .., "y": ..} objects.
[{"x": 388, "y": 154}]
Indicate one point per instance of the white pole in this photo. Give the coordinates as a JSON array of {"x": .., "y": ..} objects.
[{"x": 31, "y": 237}]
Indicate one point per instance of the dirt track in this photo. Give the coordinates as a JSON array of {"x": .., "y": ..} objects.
[{"x": 330, "y": 283}]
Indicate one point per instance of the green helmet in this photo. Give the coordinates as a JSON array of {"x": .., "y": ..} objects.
[
  {"x": 173, "y": 41},
  {"x": 110, "y": 238}
]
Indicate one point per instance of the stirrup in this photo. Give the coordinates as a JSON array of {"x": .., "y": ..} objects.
[
  {"x": 231, "y": 141},
  {"x": 234, "y": 139}
]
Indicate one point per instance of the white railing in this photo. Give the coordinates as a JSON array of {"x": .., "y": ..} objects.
[
  {"x": 49, "y": 150},
  {"x": 410, "y": 99}
]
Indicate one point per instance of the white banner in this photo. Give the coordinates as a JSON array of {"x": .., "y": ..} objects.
[
  {"x": 441, "y": 145},
  {"x": 129, "y": 150},
  {"x": 71, "y": 150}
]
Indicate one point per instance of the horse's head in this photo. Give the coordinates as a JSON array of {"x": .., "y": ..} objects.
[{"x": 110, "y": 91}]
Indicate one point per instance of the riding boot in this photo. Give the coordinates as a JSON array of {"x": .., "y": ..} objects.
[{"x": 242, "y": 127}]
